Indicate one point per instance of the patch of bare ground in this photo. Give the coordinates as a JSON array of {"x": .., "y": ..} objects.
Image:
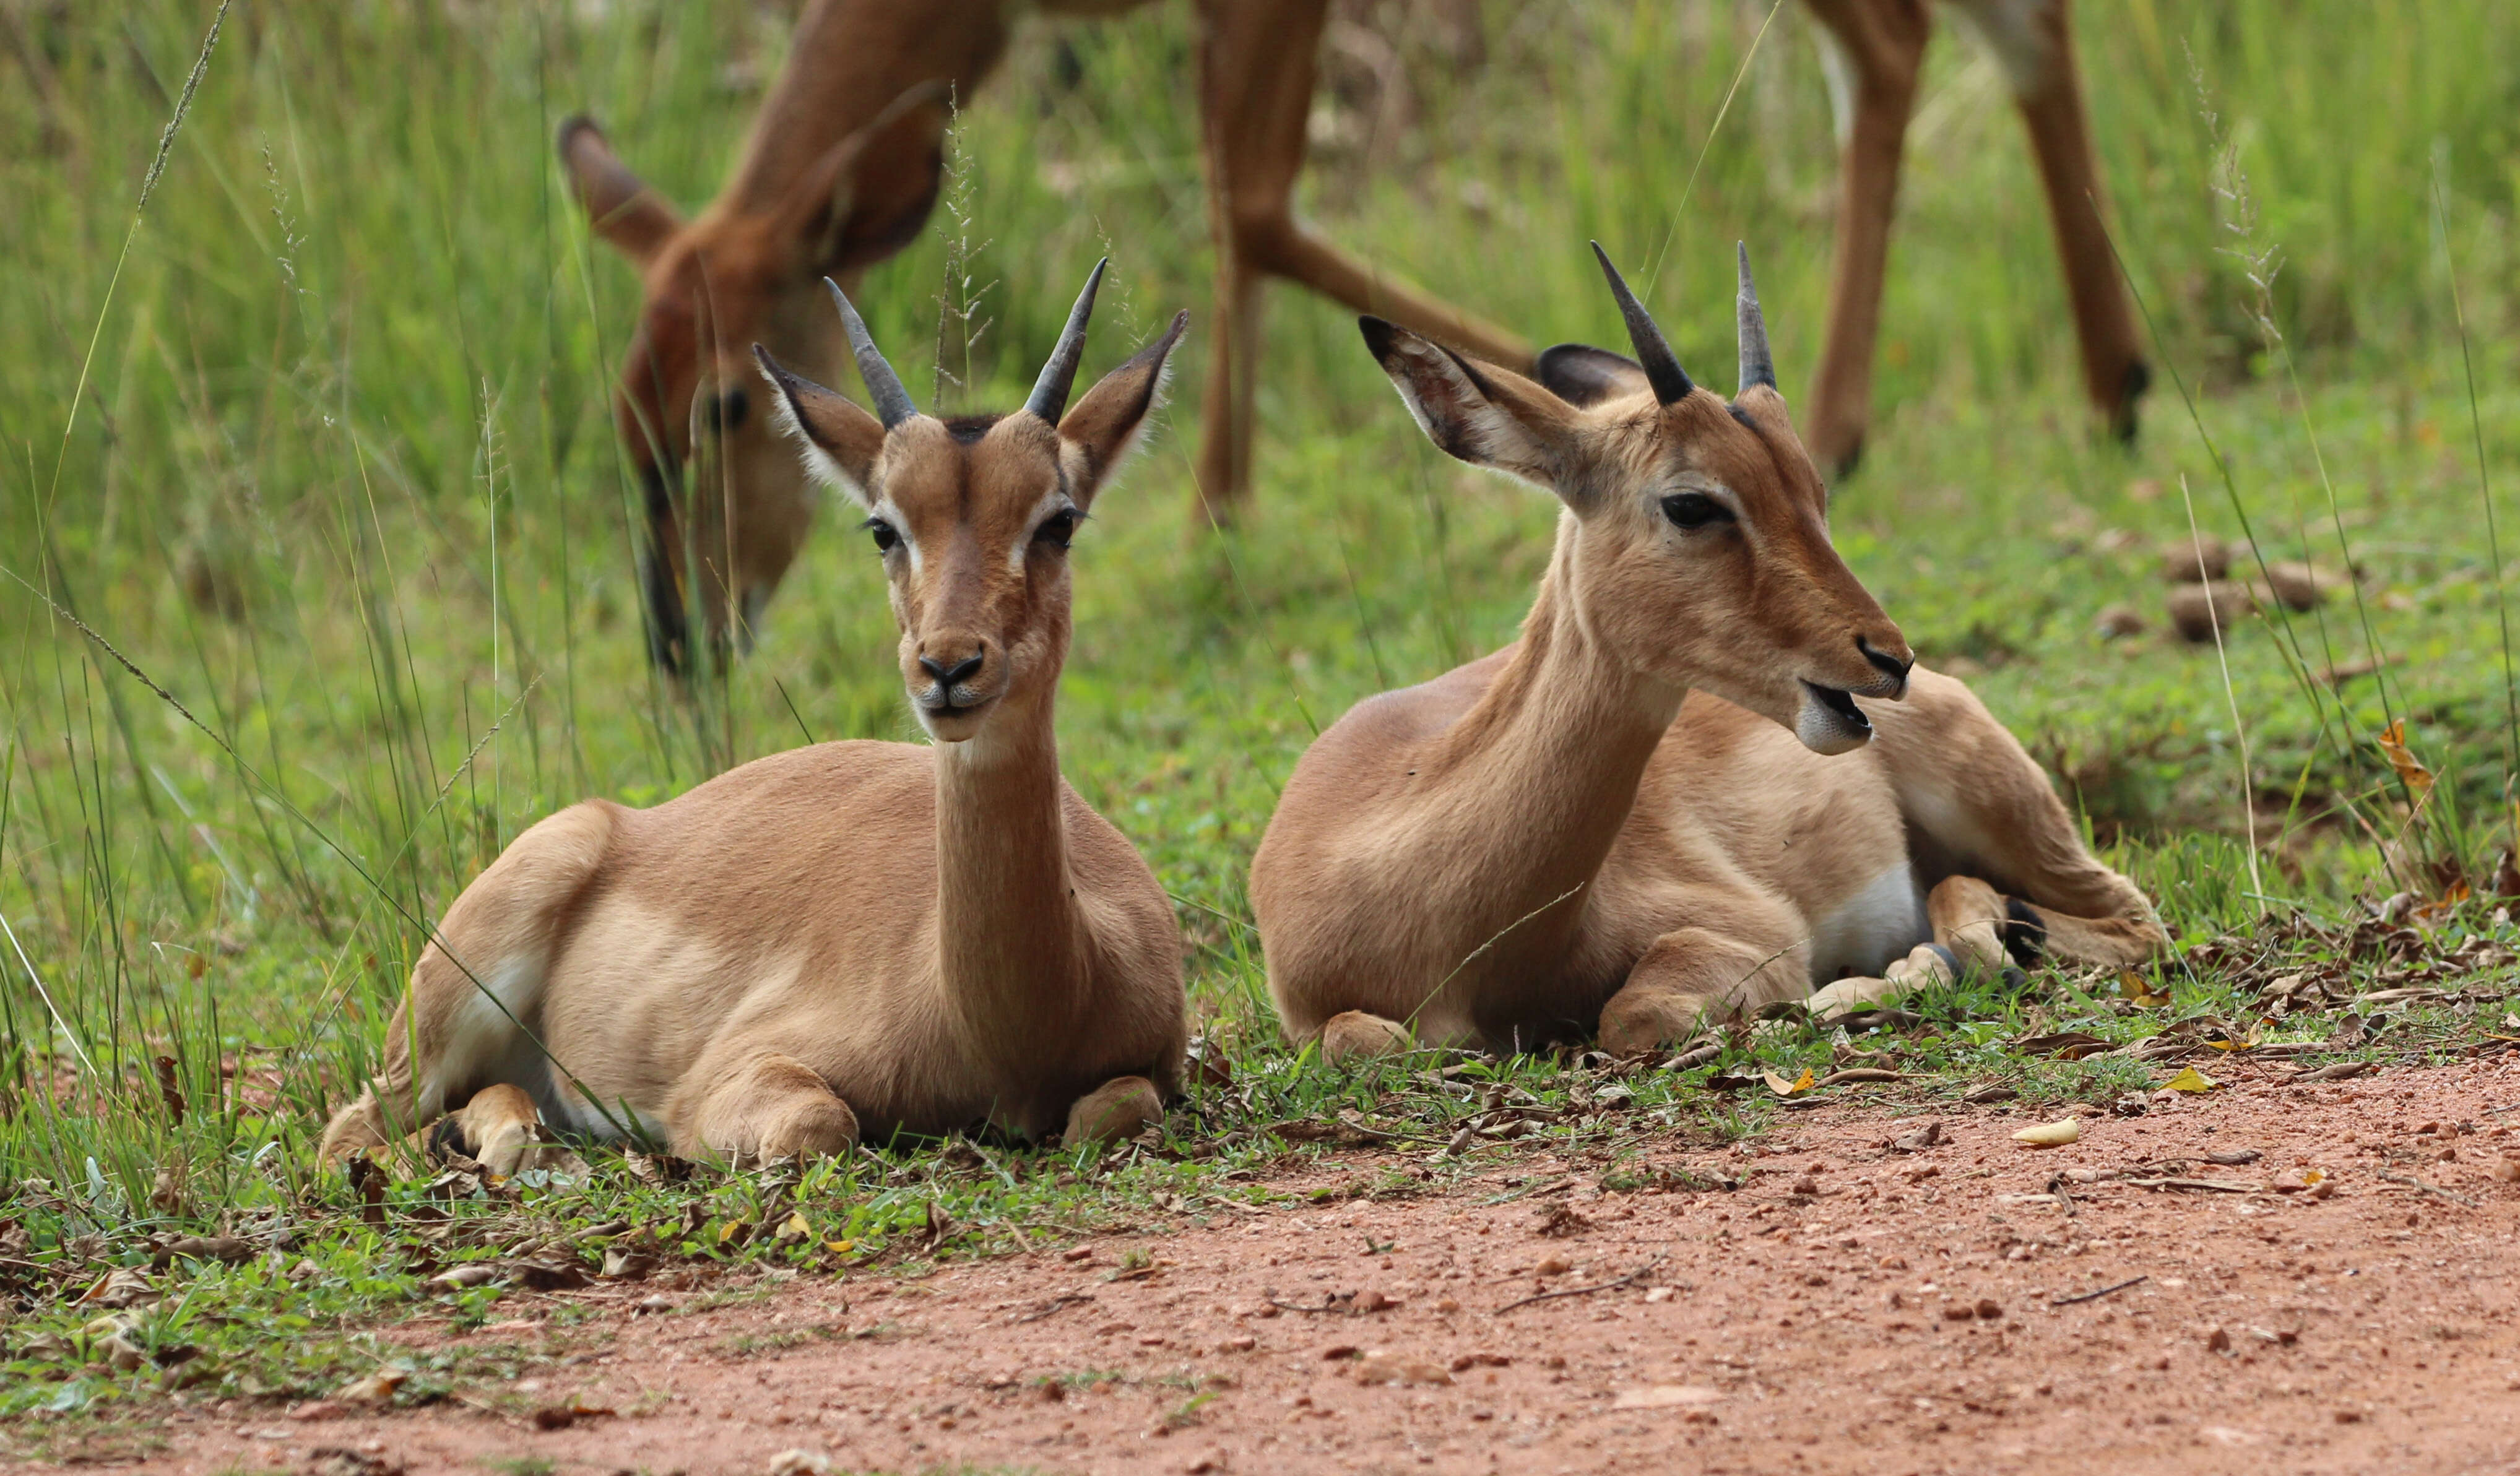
[{"x": 2304, "y": 1278}]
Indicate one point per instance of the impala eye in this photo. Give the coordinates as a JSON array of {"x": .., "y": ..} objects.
[
  {"x": 887, "y": 538},
  {"x": 1057, "y": 529},
  {"x": 1694, "y": 509}
]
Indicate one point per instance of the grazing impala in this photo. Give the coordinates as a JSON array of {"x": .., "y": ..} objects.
[
  {"x": 843, "y": 164},
  {"x": 853, "y": 937},
  {"x": 1630, "y": 818}
]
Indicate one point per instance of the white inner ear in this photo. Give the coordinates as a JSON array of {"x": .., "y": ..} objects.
[
  {"x": 819, "y": 464},
  {"x": 1466, "y": 423}
]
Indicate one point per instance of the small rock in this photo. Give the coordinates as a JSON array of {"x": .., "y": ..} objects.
[
  {"x": 2118, "y": 621},
  {"x": 2217, "y": 1341},
  {"x": 2195, "y": 560},
  {"x": 320, "y": 1409},
  {"x": 801, "y": 1464},
  {"x": 1918, "y": 1139},
  {"x": 2198, "y": 611},
  {"x": 2299, "y": 586},
  {"x": 1552, "y": 1266},
  {"x": 373, "y": 1389},
  {"x": 2507, "y": 1169},
  {"x": 1989, "y": 1309},
  {"x": 1208, "y": 1464},
  {"x": 1242, "y": 1343},
  {"x": 2349, "y": 1417},
  {"x": 1958, "y": 1311},
  {"x": 1659, "y": 1293},
  {"x": 1375, "y": 1301}
]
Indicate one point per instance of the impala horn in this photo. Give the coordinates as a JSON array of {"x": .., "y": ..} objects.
[
  {"x": 1670, "y": 381},
  {"x": 1757, "y": 366},
  {"x": 893, "y": 404},
  {"x": 1049, "y": 391}
]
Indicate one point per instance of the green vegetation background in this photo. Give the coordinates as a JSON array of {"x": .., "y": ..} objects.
[{"x": 325, "y": 454}]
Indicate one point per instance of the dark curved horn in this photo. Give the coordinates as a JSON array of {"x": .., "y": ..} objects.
[
  {"x": 1670, "y": 381},
  {"x": 1049, "y": 391},
  {"x": 893, "y": 404},
  {"x": 1756, "y": 366}
]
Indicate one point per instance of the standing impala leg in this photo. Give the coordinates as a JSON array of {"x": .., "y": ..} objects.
[
  {"x": 1255, "y": 80},
  {"x": 2047, "y": 88},
  {"x": 1883, "y": 43}
]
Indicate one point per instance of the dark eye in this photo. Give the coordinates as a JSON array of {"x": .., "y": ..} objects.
[
  {"x": 1057, "y": 529},
  {"x": 886, "y": 538},
  {"x": 1694, "y": 509}
]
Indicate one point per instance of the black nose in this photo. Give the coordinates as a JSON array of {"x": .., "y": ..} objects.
[
  {"x": 732, "y": 407},
  {"x": 1893, "y": 667},
  {"x": 950, "y": 678}
]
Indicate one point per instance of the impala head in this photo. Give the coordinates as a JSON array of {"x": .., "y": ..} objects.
[
  {"x": 1699, "y": 551},
  {"x": 747, "y": 270},
  {"x": 972, "y": 517}
]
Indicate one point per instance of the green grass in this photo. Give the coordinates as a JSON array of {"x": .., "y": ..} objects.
[{"x": 325, "y": 456}]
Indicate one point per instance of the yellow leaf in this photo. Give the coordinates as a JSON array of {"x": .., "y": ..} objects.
[
  {"x": 1783, "y": 1088},
  {"x": 2189, "y": 1079},
  {"x": 840, "y": 1247},
  {"x": 2141, "y": 990},
  {"x": 2053, "y": 1135},
  {"x": 2412, "y": 771},
  {"x": 729, "y": 1231},
  {"x": 796, "y": 1228},
  {"x": 2312, "y": 1176}
]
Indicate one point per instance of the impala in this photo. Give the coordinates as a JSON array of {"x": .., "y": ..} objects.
[
  {"x": 843, "y": 164},
  {"x": 1708, "y": 775},
  {"x": 853, "y": 937}
]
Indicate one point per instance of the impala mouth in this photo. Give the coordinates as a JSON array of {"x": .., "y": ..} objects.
[{"x": 1830, "y": 722}]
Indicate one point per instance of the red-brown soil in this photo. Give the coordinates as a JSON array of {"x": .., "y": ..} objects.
[{"x": 1811, "y": 1321}]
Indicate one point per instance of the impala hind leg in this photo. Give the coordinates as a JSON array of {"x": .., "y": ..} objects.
[
  {"x": 1122, "y": 1107},
  {"x": 762, "y": 1106},
  {"x": 1691, "y": 978}
]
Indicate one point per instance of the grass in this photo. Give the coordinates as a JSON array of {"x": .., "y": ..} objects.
[{"x": 325, "y": 456}]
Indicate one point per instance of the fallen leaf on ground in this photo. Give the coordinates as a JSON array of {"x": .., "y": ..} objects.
[
  {"x": 2189, "y": 1079},
  {"x": 1918, "y": 1139},
  {"x": 122, "y": 1286},
  {"x": 1380, "y": 1367},
  {"x": 1783, "y": 1088},
  {"x": 372, "y": 1389},
  {"x": 1667, "y": 1396},
  {"x": 2053, "y": 1135}
]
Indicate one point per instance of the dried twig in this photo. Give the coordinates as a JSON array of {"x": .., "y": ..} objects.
[
  {"x": 1630, "y": 1279},
  {"x": 2225, "y": 1185},
  {"x": 2452, "y": 1195},
  {"x": 1344, "y": 1304},
  {"x": 1055, "y": 1304},
  {"x": 2093, "y": 1296}
]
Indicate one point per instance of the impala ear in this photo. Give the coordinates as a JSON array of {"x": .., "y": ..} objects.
[
  {"x": 1098, "y": 435},
  {"x": 1585, "y": 377},
  {"x": 838, "y": 440},
  {"x": 624, "y": 211},
  {"x": 1483, "y": 415}
]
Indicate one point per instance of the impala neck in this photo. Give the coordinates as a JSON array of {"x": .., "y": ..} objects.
[
  {"x": 1551, "y": 756},
  {"x": 1008, "y": 935}
]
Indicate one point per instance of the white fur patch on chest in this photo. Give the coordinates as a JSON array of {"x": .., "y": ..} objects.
[{"x": 1880, "y": 922}]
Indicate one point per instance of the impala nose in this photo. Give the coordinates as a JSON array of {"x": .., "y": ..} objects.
[
  {"x": 732, "y": 407},
  {"x": 1893, "y": 667},
  {"x": 950, "y": 676}
]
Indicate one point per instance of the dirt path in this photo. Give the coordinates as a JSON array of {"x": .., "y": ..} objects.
[{"x": 1850, "y": 1307}]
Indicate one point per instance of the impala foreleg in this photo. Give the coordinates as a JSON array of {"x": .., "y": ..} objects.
[{"x": 1691, "y": 978}]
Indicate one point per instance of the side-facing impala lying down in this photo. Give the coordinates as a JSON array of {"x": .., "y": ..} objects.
[
  {"x": 1630, "y": 818},
  {"x": 853, "y": 937}
]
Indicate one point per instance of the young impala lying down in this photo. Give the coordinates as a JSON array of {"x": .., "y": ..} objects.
[
  {"x": 855, "y": 937},
  {"x": 1630, "y": 819}
]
